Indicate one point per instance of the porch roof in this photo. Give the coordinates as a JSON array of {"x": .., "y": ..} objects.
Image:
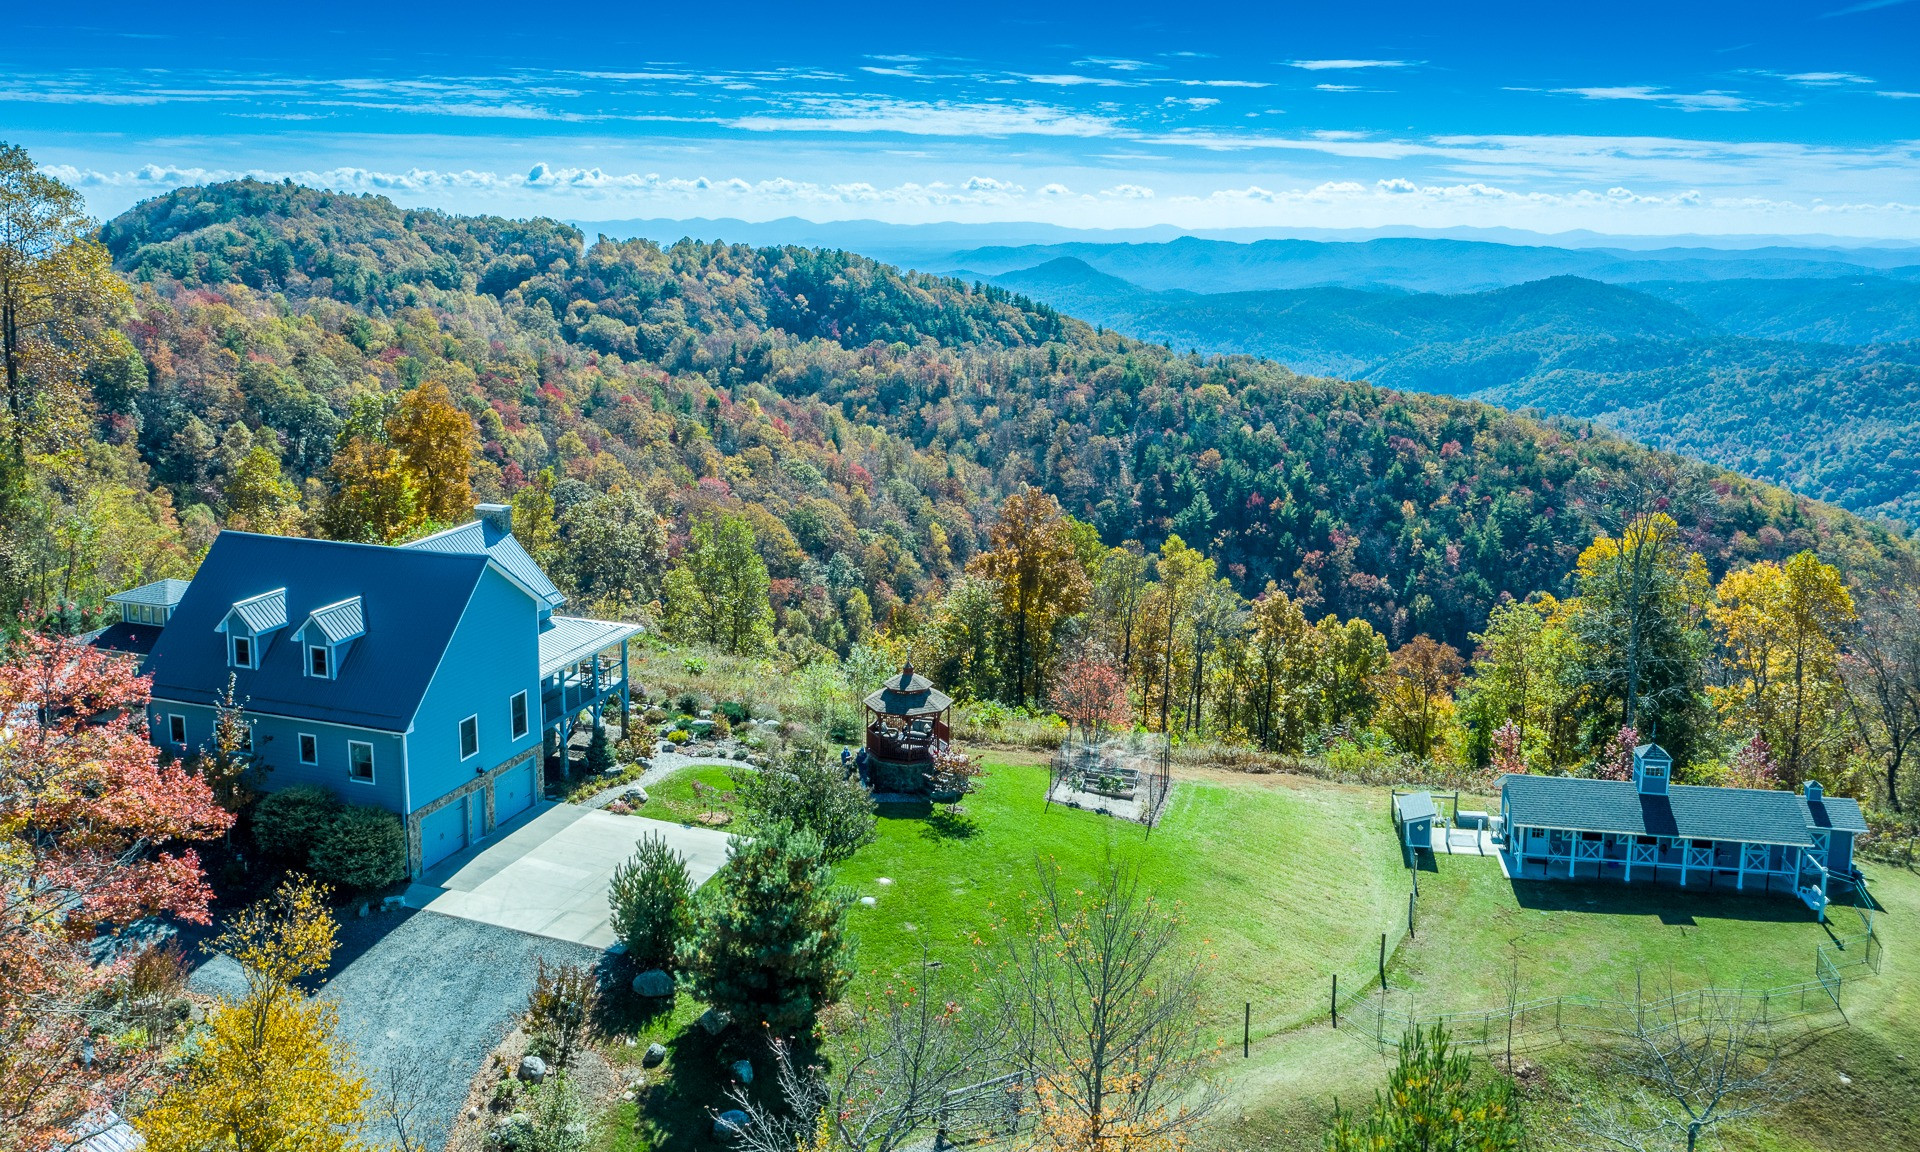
[
  {"x": 571, "y": 639},
  {"x": 1694, "y": 812}
]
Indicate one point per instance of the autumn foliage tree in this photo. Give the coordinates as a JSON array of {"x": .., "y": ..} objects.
[
  {"x": 1416, "y": 696},
  {"x": 93, "y": 834},
  {"x": 1038, "y": 581},
  {"x": 1090, "y": 693}
]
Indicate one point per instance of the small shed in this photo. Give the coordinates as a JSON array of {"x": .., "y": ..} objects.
[
  {"x": 1413, "y": 816},
  {"x": 907, "y": 726}
]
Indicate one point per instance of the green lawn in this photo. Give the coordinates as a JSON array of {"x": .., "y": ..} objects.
[{"x": 672, "y": 798}]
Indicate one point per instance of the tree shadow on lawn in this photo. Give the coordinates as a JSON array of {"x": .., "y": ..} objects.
[
  {"x": 1673, "y": 905},
  {"x": 936, "y": 823},
  {"x": 686, "y": 1092}
]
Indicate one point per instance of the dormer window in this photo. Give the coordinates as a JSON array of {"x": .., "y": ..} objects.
[
  {"x": 328, "y": 633},
  {"x": 320, "y": 661},
  {"x": 249, "y": 626},
  {"x": 242, "y": 651}
]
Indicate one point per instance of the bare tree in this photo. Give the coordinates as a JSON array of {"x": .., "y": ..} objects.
[
  {"x": 1100, "y": 1009},
  {"x": 895, "y": 1083},
  {"x": 1881, "y": 670},
  {"x": 1701, "y": 1061},
  {"x": 403, "y": 1102}
]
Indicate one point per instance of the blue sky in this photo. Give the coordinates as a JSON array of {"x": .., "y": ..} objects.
[{"x": 1640, "y": 118}]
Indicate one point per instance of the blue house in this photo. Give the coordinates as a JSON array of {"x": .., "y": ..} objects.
[
  {"x": 1649, "y": 830},
  {"x": 427, "y": 679}
]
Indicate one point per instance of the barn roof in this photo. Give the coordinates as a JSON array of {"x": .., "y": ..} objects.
[
  {"x": 1753, "y": 815},
  {"x": 161, "y": 594},
  {"x": 486, "y": 537}
]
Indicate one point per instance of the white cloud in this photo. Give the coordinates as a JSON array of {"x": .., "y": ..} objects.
[
  {"x": 1826, "y": 79},
  {"x": 1076, "y": 80},
  {"x": 1118, "y": 64},
  {"x": 1342, "y": 65},
  {"x": 1128, "y": 192},
  {"x": 1893, "y": 94},
  {"x": 924, "y": 118},
  {"x": 1711, "y": 101},
  {"x": 1337, "y": 88}
]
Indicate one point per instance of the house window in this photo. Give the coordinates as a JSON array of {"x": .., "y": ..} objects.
[
  {"x": 319, "y": 661},
  {"x": 309, "y": 748},
  {"x": 177, "y": 729},
  {"x": 242, "y": 652},
  {"x": 469, "y": 737},
  {"x": 360, "y": 761},
  {"x": 518, "y": 709}
]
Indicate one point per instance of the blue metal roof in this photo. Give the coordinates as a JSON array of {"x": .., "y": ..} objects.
[
  {"x": 161, "y": 593},
  {"x": 1415, "y": 806},
  {"x": 339, "y": 622},
  {"x": 135, "y": 639},
  {"x": 480, "y": 537},
  {"x": 261, "y": 613},
  {"x": 569, "y": 639},
  {"x": 1754, "y": 815},
  {"x": 411, "y": 601}
]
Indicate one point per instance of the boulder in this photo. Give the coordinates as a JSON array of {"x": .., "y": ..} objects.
[
  {"x": 653, "y": 984},
  {"x": 742, "y": 1071},
  {"x": 713, "y": 1021},
  {"x": 730, "y": 1124},
  {"x": 656, "y": 1055},
  {"x": 533, "y": 1069}
]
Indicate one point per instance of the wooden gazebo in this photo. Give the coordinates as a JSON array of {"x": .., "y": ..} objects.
[{"x": 907, "y": 725}]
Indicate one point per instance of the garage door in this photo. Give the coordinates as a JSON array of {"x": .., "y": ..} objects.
[
  {"x": 513, "y": 793},
  {"x": 442, "y": 833}
]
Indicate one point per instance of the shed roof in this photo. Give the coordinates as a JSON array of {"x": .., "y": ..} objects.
[
  {"x": 1753, "y": 815},
  {"x": 411, "y": 601},
  {"x": 909, "y": 694},
  {"x": 568, "y": 639},
  {"x": 161, "y": 593},
  {"x": 136, "y": 639},
  {"x": 485, "y": 538},
  {"x": 1414, "y": 806}
]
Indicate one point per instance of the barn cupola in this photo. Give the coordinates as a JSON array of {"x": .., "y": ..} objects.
[
  {"x": 149, "y": 604},
  {"x": 250, "y": 624},
  {"x": 1651, "y": 767}
]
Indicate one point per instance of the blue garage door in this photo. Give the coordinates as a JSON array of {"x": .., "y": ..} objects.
[
  {"x": 442, "y": 833},
  {"x": 513, "y": 793}
]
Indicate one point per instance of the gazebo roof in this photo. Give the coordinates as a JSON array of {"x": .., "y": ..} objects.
[{"x": 909, "y": 694}]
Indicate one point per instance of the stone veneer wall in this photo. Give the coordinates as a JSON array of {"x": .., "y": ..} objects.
[{"x": 480, "y": 783}]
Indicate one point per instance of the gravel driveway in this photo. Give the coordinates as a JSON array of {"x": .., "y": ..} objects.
[{"x": 418, "y": 990}]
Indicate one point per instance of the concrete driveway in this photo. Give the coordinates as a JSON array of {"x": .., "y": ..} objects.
[{"x": 547, "y": 875}]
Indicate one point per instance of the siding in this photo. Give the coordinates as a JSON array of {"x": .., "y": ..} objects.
[
  {"x": 494, "y": 653},
  {"x": 276, "y": 739}
]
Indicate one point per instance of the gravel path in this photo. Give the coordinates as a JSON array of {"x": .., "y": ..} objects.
[{"x": 423, "y": 993}]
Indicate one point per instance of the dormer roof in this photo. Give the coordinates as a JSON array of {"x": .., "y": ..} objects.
[
  {"x": 340, "y": 622},
  {"x": 259, "y": 613}
]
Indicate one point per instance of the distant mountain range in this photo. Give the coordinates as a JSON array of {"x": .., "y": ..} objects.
[{"x": 1812, "y": 382}]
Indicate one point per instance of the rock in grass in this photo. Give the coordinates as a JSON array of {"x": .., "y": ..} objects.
[
  {"x": 730, "y": 1124},
  {"x": 653, "y": 984},
  {"x": 742, "y": 1071},
  {"x": 713, "y": 1021},
  {"x": 533, "y": 1069},
  {"x": 656, "y": 1055}
]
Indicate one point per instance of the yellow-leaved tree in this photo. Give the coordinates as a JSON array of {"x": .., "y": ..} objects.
[
  {"x": 1038, "y": 580},
  {"x": 1781, "y": 626},
  {"x": 437, "y": 439},
  {"x": 266, "y": 1073}
]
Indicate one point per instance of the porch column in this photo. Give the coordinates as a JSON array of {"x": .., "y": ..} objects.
[
  {"x": 1740, "y": 883},
  {"x": 626, "y": 690},
  {"x": 1683, "y": 862},
  {"x": 1630, "y": 843},
  {"x": 1573, "y": 856}
]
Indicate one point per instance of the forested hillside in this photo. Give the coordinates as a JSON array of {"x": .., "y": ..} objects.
[
  {"x": 863, "y": 419},
  {"x": 1827, "y": 403}
]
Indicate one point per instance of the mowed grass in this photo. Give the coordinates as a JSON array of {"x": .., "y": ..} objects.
[{"x": 672, "y": 798}]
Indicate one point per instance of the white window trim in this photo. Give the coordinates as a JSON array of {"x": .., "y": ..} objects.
[
  {"x": 526, "y": 717},
  {"x": 326, "y": 648},
  {"x": 371, "y": 769},
  {"x": 233, "y": 651},
  {"x": 181, "y": 740},
  {"x": 300, "y": 743},
  {"x": 462, "y": 737}
]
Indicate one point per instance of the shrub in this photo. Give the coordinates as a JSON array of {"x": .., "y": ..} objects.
[
  {"x": 558, "y": 1011},
  {"x": 362, "y": 848},
  {"x": 721, "y": 729},
  {"x": 689, "y": 703},
  {"x": 288, "y": 823},
  {"x": 679, "y": 736},
  {"x": 769, "y": 934},
  {"x": 599, "y": 752},
  {"x": 808, "y": 794},
  {"x": 655, "y": 715},
  {"x": 652, "y": 900},
  {"x": 735, "y": 711}
]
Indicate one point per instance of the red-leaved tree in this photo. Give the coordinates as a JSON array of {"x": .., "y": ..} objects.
[
  {"x": 1091, "y": 694},
  {"x": 1754, "y": 766},
  {"x": 92, "y": 834},
  {"x": 1616, "y": 759},
  {"x": 1507, "y": 758}
]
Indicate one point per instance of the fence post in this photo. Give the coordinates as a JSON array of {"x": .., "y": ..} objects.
[
  {"x": 1410, "y": 897},
  {"x": 1556, "y": 1013},
  {"x": 1383, "y": 961},
  {"x": 1246, "y": 1034},
  {"x": 1334, "y": 1002}
]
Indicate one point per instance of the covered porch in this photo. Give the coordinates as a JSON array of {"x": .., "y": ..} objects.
[
  {"x": 583, "y": 668},
  {"x": 1573, "y": 854}
]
